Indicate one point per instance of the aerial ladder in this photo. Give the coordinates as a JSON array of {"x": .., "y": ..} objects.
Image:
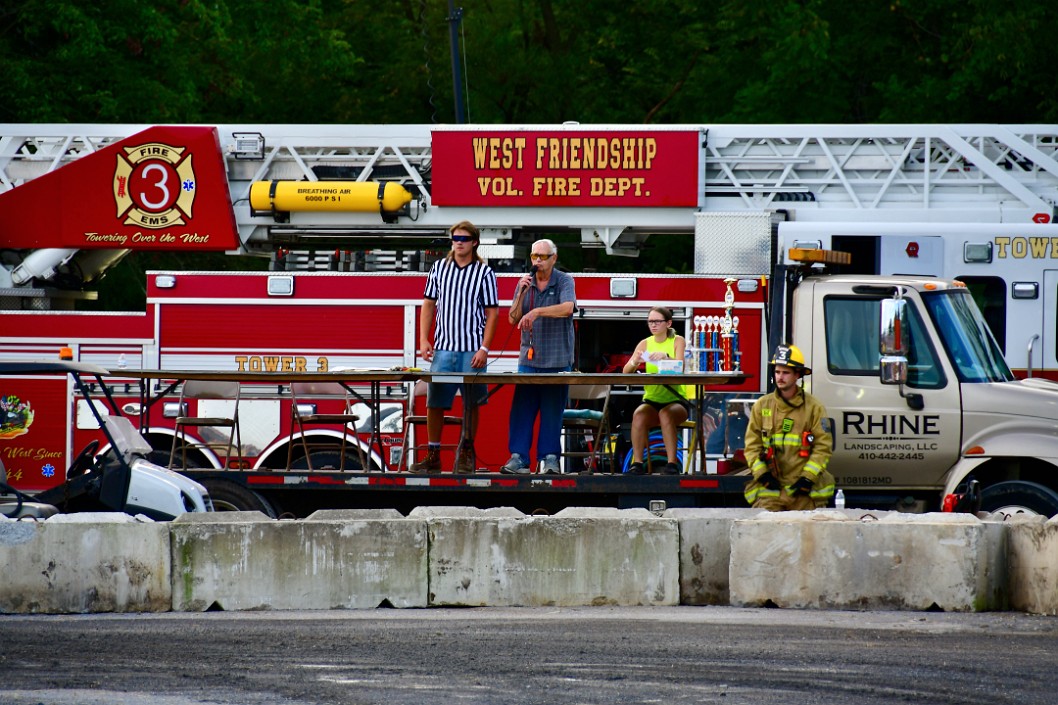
[{"x": 890, "y": 173}]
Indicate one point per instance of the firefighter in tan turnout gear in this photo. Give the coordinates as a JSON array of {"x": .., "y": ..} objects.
[{"x": 788, "y": 442}]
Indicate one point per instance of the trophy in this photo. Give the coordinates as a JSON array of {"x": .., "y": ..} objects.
[{"x": 730, "y": 352}]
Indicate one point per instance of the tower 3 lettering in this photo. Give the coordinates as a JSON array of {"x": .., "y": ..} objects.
[{"x": 1021, "y": 247}]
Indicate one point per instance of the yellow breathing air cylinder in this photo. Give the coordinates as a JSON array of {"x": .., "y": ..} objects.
[{"x": 359, "y": 196}]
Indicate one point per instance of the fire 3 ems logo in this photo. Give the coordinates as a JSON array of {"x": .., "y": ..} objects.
[{"x": 154, "y": 185}]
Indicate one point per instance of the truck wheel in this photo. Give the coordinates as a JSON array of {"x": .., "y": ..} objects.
[
  {"x": 1019, "y": 497},
  {"x": 161, "y": 459},
  {"x": 329, "y": 460},
  {"x": 229, "y": 497}
]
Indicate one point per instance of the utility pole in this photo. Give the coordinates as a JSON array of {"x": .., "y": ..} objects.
[{"x": 455, "y": 17}]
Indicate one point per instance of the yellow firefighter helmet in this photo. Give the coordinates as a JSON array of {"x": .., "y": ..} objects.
[{"x": 790, "y": 356}]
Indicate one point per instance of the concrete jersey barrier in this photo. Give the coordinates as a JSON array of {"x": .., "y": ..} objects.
[
  {"x": 577, "y": 557},
  {"x": 449, "y": 556},
  {"x": 84, "y": 563},
  {"x": 827, "y": 559}
]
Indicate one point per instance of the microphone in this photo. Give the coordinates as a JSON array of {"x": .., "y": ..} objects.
[{"x": 532, "y": 272}]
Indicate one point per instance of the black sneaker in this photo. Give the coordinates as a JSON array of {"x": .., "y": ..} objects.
[
  {"x": 637, "y": 469},
  {"x": 671, "y": 469}
]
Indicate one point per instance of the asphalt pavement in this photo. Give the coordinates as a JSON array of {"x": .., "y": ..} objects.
[{"x": 584, "y": 656}]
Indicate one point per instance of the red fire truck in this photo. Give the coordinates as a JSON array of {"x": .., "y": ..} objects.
[
  {"x": 324, "y": 321},
  {"x": 350, "y": 219}
]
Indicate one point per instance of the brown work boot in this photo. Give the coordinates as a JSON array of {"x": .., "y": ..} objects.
[
  {"x": 465, "y": 466},
  {"x": 431, "y": 463}
]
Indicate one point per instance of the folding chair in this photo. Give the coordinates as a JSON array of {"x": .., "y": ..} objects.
[
  {"x": 414, "y": 424},
  {"x": 587, "y": 430},
  {"x": 208, "y": 390},
  {"x": 303, "y": 412}
]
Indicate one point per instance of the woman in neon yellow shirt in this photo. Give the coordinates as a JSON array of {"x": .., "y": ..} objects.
[{"x": 661, "y": 405}]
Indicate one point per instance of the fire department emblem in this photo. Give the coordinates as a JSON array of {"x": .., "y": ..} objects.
[
  {"x": 154, "y": 185},
  {"x": 16, "y": 416}
]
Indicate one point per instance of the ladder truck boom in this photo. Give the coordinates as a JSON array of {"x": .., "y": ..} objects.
[{"x": 967, "y": 173}]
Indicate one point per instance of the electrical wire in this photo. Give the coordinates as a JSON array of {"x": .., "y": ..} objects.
[
  {"x": 502, "y": 347},
  {"x": 468, "y": 383}
]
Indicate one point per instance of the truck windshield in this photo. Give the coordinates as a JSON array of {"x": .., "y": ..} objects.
[{"x": 966, "y": 337}]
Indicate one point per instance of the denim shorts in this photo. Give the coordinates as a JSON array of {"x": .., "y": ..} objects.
[{"x": 440, "y": 395}]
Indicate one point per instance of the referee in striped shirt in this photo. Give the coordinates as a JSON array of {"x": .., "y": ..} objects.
[{"x": 461, "y": 297}]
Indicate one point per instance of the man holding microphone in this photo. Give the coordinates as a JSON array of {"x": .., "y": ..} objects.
[{"x": 542, "y": 309}]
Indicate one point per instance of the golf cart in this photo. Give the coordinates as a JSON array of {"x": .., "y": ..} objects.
[{"x": 119, "y": 479}]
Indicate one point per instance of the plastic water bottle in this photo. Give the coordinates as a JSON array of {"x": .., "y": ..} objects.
[
  {"x": 688, "y": 360},
  {"x": 839, "y": 500},
  {"x": 122, "y": 362}
]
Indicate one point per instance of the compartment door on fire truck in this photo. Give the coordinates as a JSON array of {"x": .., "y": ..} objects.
[
  {"x": 1045, "y": 348},
  {"x": 911, "y": 254},
  {"x": 879, "y": 440}
]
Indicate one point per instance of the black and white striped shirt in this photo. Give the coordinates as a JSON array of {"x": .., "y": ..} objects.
[{"x": 462, "y": 294}]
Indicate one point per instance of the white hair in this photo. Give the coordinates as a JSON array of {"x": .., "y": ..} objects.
[{"x": 550, "y": 245}]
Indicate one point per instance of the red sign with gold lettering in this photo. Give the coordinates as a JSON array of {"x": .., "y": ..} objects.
[
  {"x": 162, "y": 189},
  {"x": 33, "y": 431},
  {"x": 605, "y": 168}
]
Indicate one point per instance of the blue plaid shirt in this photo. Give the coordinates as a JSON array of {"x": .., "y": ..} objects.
[{"x": 552, "y": 338}]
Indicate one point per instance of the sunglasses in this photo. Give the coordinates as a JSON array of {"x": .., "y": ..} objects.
[
  {"x": 461, "y": 238},
  {"x": 535, "y": 256}
]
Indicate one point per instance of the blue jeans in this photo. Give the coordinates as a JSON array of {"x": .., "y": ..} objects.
[
  {"x": 548, "y": 401},
  {"x": 440, "y": 395}
]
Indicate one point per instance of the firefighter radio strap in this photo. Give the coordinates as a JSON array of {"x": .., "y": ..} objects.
[
  {"x": 768, "y": 450},
  {"x": 786, "y": 437}
]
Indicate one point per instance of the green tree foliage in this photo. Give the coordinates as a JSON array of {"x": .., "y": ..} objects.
[
  {"x": 974, "y": 61},
  {"x": 527, "y": 61},
  {"x": 102, "y": 62},
  {"x": 903, "y": 61},
  {"x": 174, "y": 61},
  {"x": 552, "y": 60}
]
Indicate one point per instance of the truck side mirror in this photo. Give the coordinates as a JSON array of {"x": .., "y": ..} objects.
[
  {"x": 893, "y": 334},
  {"x": 893, "y": 341},
  {"x": 893, "y": 346},
  {"x": 893, "y": 369}
]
